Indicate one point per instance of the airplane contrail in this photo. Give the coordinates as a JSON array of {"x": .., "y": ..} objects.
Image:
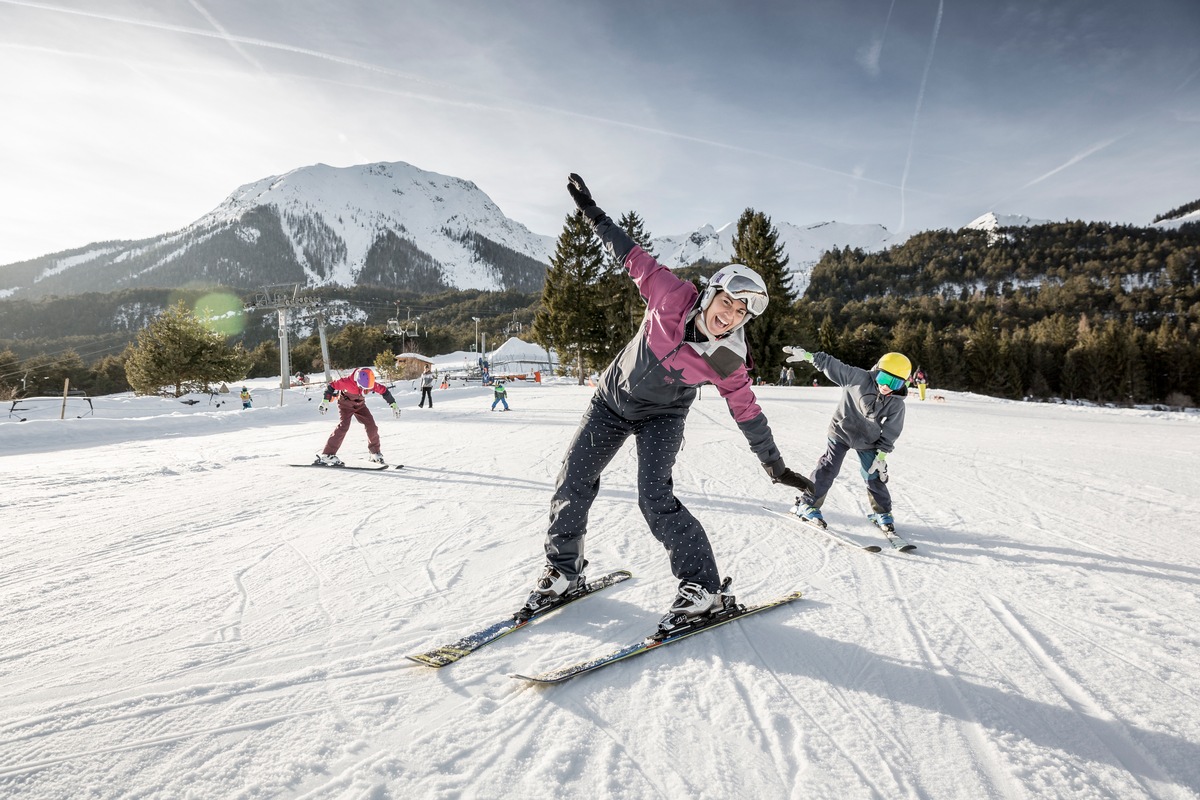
[
  {"x": 227, "y": 36},
  {"x": 1075, "y": 159},
  {"x": 937, "y": 24}
]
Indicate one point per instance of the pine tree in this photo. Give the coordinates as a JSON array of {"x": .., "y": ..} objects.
[
  {"x": 571, "y": 318},
  {"x": 623, "y": 305},
  {"x": 177, "y": 350},
  {"x": 357, "y": 346},
  {"x": 756, "y": 245}
]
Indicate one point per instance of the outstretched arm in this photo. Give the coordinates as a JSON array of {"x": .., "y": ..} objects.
[
  {"x": 653, "y": 279},
  {"x": 615, "y": 239}
]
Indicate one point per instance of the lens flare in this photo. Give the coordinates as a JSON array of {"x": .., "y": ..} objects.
[{"x": 221, "y": 312}]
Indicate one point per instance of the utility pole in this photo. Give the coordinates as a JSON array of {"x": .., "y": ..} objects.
[
  {"x": 324, "y": 345},
  {"x": 276, "y": 298}
]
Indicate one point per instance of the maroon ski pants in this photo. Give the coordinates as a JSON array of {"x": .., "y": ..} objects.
[{"x": 350, "y": 407}]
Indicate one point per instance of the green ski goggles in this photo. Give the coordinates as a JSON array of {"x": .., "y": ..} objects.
[{"x": 889, "y": 380}]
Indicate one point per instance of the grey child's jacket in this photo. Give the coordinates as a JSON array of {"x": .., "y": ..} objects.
[{"x": 865, "y": 419}]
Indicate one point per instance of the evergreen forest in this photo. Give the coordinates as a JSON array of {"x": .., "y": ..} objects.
[
  {"x": 1073, "y": 310},
  {"x": 1068, "y": 310}
]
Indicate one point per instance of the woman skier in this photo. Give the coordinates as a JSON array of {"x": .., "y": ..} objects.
[{"x": 686, "y": 339}]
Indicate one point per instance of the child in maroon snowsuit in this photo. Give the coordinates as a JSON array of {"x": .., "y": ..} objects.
[{"x": 352, "y": 404}]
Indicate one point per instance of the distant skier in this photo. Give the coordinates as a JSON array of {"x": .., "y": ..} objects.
[
  {"x": 921, "y": 380},
  {"x": 426, "y": 387},
  {"x": 687, "y": 339},
  {"x": 501, "y": 395},
  {"x": 353, "y": 405},
  {"x": 247, "y": 401},
  {"x": 868, "y": 420}
]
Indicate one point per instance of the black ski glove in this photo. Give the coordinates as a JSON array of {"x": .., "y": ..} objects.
[
  {"x": 781, "y": 474},
  {"x": 583, "y": 199}
]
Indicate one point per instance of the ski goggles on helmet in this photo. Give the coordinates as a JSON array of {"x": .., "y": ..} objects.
[
  {"x": 748, "y": 291},
  {"x": 889, "y": 380},
  {"x": 365, "y": 378}
]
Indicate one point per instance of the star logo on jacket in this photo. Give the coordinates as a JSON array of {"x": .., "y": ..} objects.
[{"x": 673, "y": 376}]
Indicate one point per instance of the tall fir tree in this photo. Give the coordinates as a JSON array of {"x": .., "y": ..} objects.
[
  {"x": 756, "y": 245},
  {"x": 571, "y": 317},
  {"x": 624, "y": 308},
  {"x": 177, "y": 350}
]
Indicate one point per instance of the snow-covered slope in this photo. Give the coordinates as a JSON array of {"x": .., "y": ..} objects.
[
  {"x": 802, "y": 244},
  {"x": 1175, "y": 222},
  {"x": 184, "y": 615}
]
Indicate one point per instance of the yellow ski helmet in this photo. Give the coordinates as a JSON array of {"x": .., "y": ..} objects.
[{"x": 895, "y": 364}]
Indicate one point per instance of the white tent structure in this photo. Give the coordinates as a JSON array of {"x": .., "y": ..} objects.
[{"x": 514, "y": 357}]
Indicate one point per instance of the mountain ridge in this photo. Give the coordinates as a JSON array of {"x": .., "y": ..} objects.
[
  {"x": 385, "y": 223},
  {"x": 394, "y": 225}
]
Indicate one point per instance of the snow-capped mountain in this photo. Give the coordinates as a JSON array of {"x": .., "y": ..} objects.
[
  {"x": 383, "y": 224},
  {"x": 386, "y": 224},
  {"x": 802, "y": 244},
  {"x": 360, "y": 207},
  {"x": 992, "y": 221}
]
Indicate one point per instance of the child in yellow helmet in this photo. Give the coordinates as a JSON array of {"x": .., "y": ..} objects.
[{"x": 868, "y": 420}]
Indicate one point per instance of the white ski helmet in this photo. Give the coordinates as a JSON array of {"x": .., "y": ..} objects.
[{"x": 739, "y": 282}]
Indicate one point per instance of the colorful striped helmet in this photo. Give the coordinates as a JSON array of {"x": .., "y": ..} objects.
[{"x": 365, "y": 378}]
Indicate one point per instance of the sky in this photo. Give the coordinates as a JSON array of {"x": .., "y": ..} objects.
[
  {"x": 184, "y": 615},
  {"x": 125, "y": 120}
]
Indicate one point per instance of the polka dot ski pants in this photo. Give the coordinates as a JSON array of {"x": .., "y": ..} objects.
[{"x": 658, "y": 439}]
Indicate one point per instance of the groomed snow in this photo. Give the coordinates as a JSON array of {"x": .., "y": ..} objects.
[{"x": 184, "y": 615}]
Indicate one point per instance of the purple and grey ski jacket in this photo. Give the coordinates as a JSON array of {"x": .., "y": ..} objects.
[{"x": 658, "y": 372}]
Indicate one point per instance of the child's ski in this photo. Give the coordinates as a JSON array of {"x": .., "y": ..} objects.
[
  {"x": 894, "y": 539},
  {"x": 870, "y": 548}
]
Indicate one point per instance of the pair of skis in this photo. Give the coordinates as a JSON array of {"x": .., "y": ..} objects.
[
  {"x": 732, "y": 610},
  {"x": 450, "y": 653},
  {"x": 897, "y": 541},
  {"x": 372, "y": 468}
]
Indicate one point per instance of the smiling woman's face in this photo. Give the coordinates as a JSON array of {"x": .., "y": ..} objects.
[{"x": 723, "y": 314}]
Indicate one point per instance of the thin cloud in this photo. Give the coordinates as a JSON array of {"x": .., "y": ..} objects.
[{"x": 869, "y": 56}]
